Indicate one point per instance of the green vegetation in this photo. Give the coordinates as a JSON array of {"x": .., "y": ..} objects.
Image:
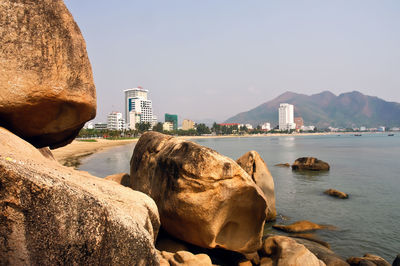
[{"x": 87, "y": 140}]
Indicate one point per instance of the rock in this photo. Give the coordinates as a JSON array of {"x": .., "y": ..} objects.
[
  {"x": 396, "y": 261},
  {"x": 368, "y": 259},
  {"x": 322, "y": 252},
  {"x": 310, "y": 163},
  {"x": 203, "y": 197},
  {"x": 255, "y": 166},
  {"x": 285, "y": 251},
  {"x": 166, "y": 242},
  {"x": 301, "y": 226},
  {"x": 336, "y": 193},
  {"x": 121, "y": 178},
  {"x": 311, "y": 237},
  {"x": 283, "y": 164},
  {"x": 184, "y": 258},
  {"x": 46, "y": 83},
  {"x": 54, "y": 215}
]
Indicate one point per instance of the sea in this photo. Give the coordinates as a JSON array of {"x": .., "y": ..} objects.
[{"x": 366, "y": 167}]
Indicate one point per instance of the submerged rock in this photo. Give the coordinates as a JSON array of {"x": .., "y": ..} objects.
[
  {"x": 368, "y": 259},
  {"x": 301, "y": 226},
  {"x": 203, "y": 197},
  {"x": 336, "y": 193},
  {"x": 283, "y": 164},
  {"x": 255, "y": 166},
  {"x": 54, "y": 215},
  {"x": 310, "y": 163},
  {"x": 281, "y": 250},
  {"x": 46, "y": 83}
]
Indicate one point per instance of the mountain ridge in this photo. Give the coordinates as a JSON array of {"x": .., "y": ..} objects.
[{"x": 324, "y": 109}]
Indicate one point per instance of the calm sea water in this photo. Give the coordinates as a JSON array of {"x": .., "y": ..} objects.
[{"x": 367, "y": 168}]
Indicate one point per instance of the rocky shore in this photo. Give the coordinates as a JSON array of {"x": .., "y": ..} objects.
[{"x": 181, "y": 203}]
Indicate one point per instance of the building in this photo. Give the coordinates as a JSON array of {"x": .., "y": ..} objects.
[
  {"x": 229, "y": 124},
  {"x": 173, "y": 119},
  {"x": 249, "y": 126},
  {"x": 100, "y": 126},
  {"x": 89, "y": 125},
  {"x": 136, "y": 101},
  {"x": 115, "y": 121},
  {"x": 381, "y": 129},
  {"x": 286, "y": 120},
  {"x": 187, "y": 124},
  {"x": 168, "y": 126},
  {"x": 299, "y": 122},
  {"x": 266, "y": 126}
]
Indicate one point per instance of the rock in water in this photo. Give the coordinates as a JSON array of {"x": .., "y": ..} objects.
[
  {"x": 54, "y": 215},
  {"x": 310, "y": 163},
  {"x": 255, "y": 166},
  {"x": 285, "y": 251},
  {"x": 368, "y": 259},
  {"x": 203, "y": 197},
  {"x": 301, "y": 226},
  {"x": 46, "y": 83},
  {"x": 336, "y": 193}
]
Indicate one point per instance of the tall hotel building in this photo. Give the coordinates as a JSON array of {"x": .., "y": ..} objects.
[
  {"x": 286, "y": 117},
  {"x": 138, "y": 109}
]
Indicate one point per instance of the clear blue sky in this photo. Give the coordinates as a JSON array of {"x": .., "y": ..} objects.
[{"x": 213, "y": 59}]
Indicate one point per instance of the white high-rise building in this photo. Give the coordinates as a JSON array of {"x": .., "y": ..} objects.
[
  {"x": 266, "y": 126},
  {"x": 138, "y": 109},
  {"x": 286, "y": 117},
  {"x": 115, "y": 121}
]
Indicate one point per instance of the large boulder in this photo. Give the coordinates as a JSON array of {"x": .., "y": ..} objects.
[
  {"x": 46, "y": 83},
  {"x": 54, "y": 215},
  {"x": 301, "y": 226},
  {"x": 368, "y": 259},
  {"x": 282, "y": 251},
  {"x": 203, "y": 197},
  {"x": 255, "y": 166},
  {"x": 310, "y": 163},
  {"x": 183, "y": 258}
]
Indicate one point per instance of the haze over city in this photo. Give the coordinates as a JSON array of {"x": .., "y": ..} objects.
[{"x": 214, "y": 59}]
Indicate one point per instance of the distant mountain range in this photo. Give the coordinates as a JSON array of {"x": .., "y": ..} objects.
[{"x": 352, "y": 109}]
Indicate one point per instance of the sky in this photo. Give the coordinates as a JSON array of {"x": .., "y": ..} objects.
[{"x": 212, "y": 59}]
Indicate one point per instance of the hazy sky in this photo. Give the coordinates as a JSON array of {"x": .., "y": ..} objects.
[{"x": 215, "y": 58}]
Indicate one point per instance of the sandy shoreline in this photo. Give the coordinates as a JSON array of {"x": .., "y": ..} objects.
[{"x": 71, "y": 154}]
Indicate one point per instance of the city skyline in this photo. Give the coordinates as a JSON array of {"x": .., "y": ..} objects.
[{"x": 212, "y": 60}]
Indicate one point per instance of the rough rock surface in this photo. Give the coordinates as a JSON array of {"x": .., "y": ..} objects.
[
  {"x": 46, "y": 84},
  {"x": 301, "y": 226},
  {"x": 368, "y": 259},
  {"x": 184, "y": 258},
  {"x": 336, "y": 193},
  {"x": 121, "y": 178},
  {"x": 255, "y": 166},
  {"x": 54, "y": 215},
  {"x": 203, "y": 197},
  {"x": 283, "y": 251},
  {"x": 396, "y": 261},
  {"x": 310, "y": 163},
  {"x": 323, "y": 253}
]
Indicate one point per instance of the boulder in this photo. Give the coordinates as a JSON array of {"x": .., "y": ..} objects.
[
  {"x": 310, "y": 163},
  {"x": 336, "y": 193},
  {"x": 203, "y": 197},
  {"x": 255, "y": 166},
  {"x": 46, "y": 83},
  {"x": 283, "y": 164},
  {"x": 121, "y": 178},
  {"x": 184, "y": 258},
  {"x": 285, "y": 251},
  {"x": 322, "y": 252},
  {"x": 368, "y": 259},
  {"x": 301, "y": 226},
  {"x": 396, "y": 261},
  {"x": 54, "y": 215}
]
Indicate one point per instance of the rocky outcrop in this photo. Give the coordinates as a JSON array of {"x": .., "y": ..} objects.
[
  {"x": 46, "y": 84},
  {"x": 203, "y": 197},
  {"x": 255, "y": 166},
  {"x": 301, "y": 226},
  {"x": 368, "y": 259},
  {"x": 310, "y": 163},
  {"x": 322, "y": 252},
  {"x": 396, "y": 261},
  {"x": 281, "y": 250},
  {"x": 336, "y": 193},
  {"x": 183, "y": 258},
  {"x": 121, "y": 178},
  {"x": 53, "y": 215}
]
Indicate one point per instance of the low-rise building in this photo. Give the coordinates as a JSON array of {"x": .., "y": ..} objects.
[
  {"x": 115, "y": 121},
  {"x": 187, "y": 124},
  {"x": 299, "y": 122},
  {"x": 100, "y": 126},
  {"x": 266, "y": 126},
  {"x": 173, "y": 119},
  {"x": 168, "y": 126}
]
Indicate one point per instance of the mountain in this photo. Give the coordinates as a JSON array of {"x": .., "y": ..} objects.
[{"x": 352, "y": 109}]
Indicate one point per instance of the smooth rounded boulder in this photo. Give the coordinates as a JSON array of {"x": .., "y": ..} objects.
[
  {"x": 255, "y": 166},
  {"x": 203, "y": 197},
  {"x": 310, "y": 163},
  {"x": 301, "y": 226},
  {"x": 336, "y": 193},
  {"x": 47, "y": 91}
]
